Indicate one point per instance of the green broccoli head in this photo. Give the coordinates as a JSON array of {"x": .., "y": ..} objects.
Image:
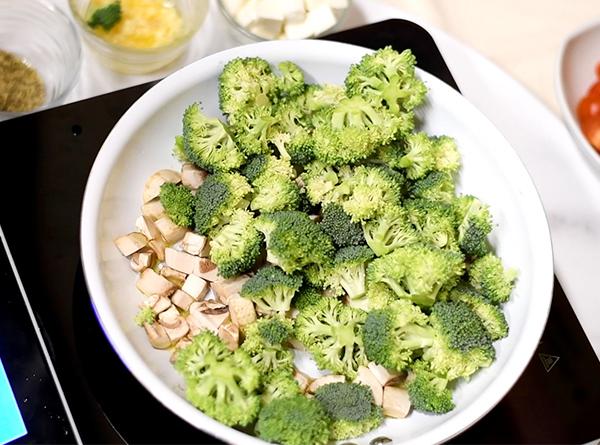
[
  {"x": 179, "y": 203},
  {"x": 307, "y": 296},
  {"x": 349, "y": 270},
  {"x": 294, "y": 240},
  {"x": 207, "y": 142},
  {"x": 236, "y": 246},
  {"x": 348, "y": 429},
  {"x": 220, "y": 383},
  {"x": 218, "y": 198},
  {"x": 434, "y": 221},
  {"x": 290, "y": 83},
  {"x": 447, "y": 156},
  {"x": 260, "y": 164},
  {"x": 435, "y": 186},
  {"x": 179, "y": 150},
  {"x": 252, "y": 130},
  {"x": 491, "y": 316},
  {"x": 339, "y": 226},
  {"x": 488, "y": 276},
  {"x": 379, "y": 295},
  {"x": 395, "y": 334},
  {"x": 424, "y": 154},
  {"x": 291, "y": 137},
  {"x": 269, "y": 331},
  {"x": 145, "y": 316},
  {"x": 245, "y": 83},
  {"x": 389, "y": 231},
  {"x": 271, "y": 290},
  {"x": 475, "y": 224},
  {"x": 387, "y": 78},
  {"x": 318, "y": 97},
  {"x": 279, "y": 384},
  {"x": 294, "y": 420},
  {"x": 331, "y": 331},
  {"x": 428, "y": 392},
  {"x": 274, "y": 192},
  {"x": 417, "y": 272},
  {"x": 320, "y": 183}
]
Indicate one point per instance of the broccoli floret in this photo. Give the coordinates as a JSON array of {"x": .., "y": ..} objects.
[
  {"x": 394, "y": 334},
  {"x": 379, "y": 295},
  {"x": 475, "y": 224},
  {"x": 294, "y": 420},
  {"x": 331, "y": 331},
  {"x": 420, "y": 156},
  {"x": 271, "y": 290},
  {"x": 417, "y": 272},
  {"x": 145, "y": 316},
  {"x": 488, "y": 276},
  {"x": 220, "y": 383},
  {"x": 370, "y": 191},
  {"x": 279, "y": 384},
  {"x": 219, "y": 196},
  {"x": 252, "y": 130},
  {"x": 271, "y": 331},
  {"x": 435, "y": 186},
  {"x": 387, "y": 78},
  {"x": 294, "y": 240},
  {"x": 429, "y": 392},
  {"x": 352, "y": 130},
  {"x": 274, "y": 192},
  {"x": 179, "y": 150},
  {"x": 236, "y": 246},
  {"x": 318, "y": 97},
  {"x": 339, "y": 226},
  {"x": 447, "y": 156},
  {"x": 389, "y": 231},
  {"x": 434, "y": 221},
  {"x": 260, "y": 164},
  {"x": 320, "y": 182},
  {"x": 290, "y": 82},
  {"x": 347, "y": 429},
  {"x": 348, "y": 270},
  {"x": 291, "y": 137},
  {"x": 264, "y": 344},
  {"x": 207, "y": 143},
  {"x": 179, "y": 203},
  {"x": 106, "y": 17},
  {"x": 307, "y": 296},
  {"x": 491, "y": 316},
  {"x": 245, "y": 83}
]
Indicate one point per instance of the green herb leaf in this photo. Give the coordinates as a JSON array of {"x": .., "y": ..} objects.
[{"x": 106, "y": 17}]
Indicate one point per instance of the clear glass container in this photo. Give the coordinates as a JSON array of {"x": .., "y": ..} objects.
[
  {"x": 43, "y": 37},
  {"x": 139, "y": 61}
]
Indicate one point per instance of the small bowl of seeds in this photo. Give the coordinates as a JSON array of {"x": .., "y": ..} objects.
[{"x": 40, "y": 56}]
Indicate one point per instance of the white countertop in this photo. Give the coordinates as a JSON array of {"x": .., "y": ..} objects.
[{"x": 569, "y": 188}]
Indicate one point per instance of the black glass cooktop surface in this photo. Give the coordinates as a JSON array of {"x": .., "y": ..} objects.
[{"x": 555, "y": 401}]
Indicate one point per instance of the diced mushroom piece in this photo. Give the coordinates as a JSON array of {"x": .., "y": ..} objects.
[
  {"x": 141, "y": 260},
  {"x": 366, "y": 377},
  {"x": 208, "y": 318},
  {"x": 224, "y": 289},
  {"x": 191, "y": 176},
  {"x": 302, "y": 379},
  {"x": 193, "y": 243},
  {"x": 195, "y": 328},
  {"x": 230, "y": 334},
  {"x": 170, "y": 231},
  {"x": 205, "y": 265},
  {"x": 314, "y": 217},
  {"x": 159, "y": 248},
  {"x": 241, "y": 310},
  {"x": 170, "y": 318},
  {"x": 157, "y": 336},
  {"x": 154, "y": 182},
  {"x": 184, "y": 342},
  {"x": 161, "y": 305},
  {"x": 181, "y": 299},
  {"x": 150, "y": 301},
  {"x": 296, "y": 344},
  {"x": 211, "y": 275},
  {"x": 131, "y": 243},
  {"x": 396, "y": 402},
  {"x": 205, "y": 253},
  {"x": 382, "y": 374},
  {"x": 195, "y": 287},
  {"x": 174, "y": 276},
  {"x": 153, "y": 209},
  {"x": 181, "y": 261},
  {"x": 317, "y": 383},
  {"x": 151, "y": 228},
  {"x": 152, "y": 283},
  {"x": 178, "y": 332},
  {"x": 140, "y": 224}
]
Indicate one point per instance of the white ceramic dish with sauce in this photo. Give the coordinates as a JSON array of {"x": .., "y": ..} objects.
[
  {"x": 141, "y": 143},
  {"x": 575, "y": 74}
]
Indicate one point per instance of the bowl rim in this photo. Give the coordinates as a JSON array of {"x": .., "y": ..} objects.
[
  {"x": 569, "y": 118},
  {"x": 174, "y": 84}
]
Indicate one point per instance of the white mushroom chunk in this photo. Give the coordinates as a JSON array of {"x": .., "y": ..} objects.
[
  {"x": 178, "y": 332},
  {"x": 154, "y": 182},
  {"x": 159, "y": 248},
  {"x": 191, "y": 176},
  {"x": 325, "y": 380},
  {"x": 224, "y": 289},
  {"x": 195, "y": 328},
  {"x": 174, "y": 276},
  {"x": 141, "y": 260},
  {"x": 161, "y": 305},
  {"x": 296, "y": 344},
  {"x": 151, "y": 283},
  {"x": 230, "y": 334},
  {"x": 193, "y": 243},
  {"x": 181, "y": 299},
  {"x": 170, "y": 318},
  {"x": 396, "y": 402},
  {"x": 157, "y": 336},
  {"x": 366, "y": 377},
  {"x": 382, "y": 374},
  {"x": 181, "y": 261},
  {"x": 302, "y": 379},
  {"x": 205, "y": 266},
  {"x": 170, "y": 231},
  {"x": 150, "y": 301},
  {"x": 205, "y": 253},
  {"x": 241, "y": 310},
  {"x": 206, "y": 317},
  {"x": 131, "y": 243},
  {"x": 195, "y": 287},
  {"x": 151, "y": 228},
  {"x": 211, "y": 275},
  {"x": 140, "y": 224},
  {"x": 153, "y": 209}
]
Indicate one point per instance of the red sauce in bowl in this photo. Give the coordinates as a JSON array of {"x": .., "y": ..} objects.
[{"x": 588, "y": 113}]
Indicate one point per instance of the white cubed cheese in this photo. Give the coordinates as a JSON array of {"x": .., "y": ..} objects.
[
  {"x": 314, "y": 4},
  {"x": 338, "y": 4},
  {"x": 233, "y": 6},
  {"x": 266, "y": 28},
  {"x": 293, "y": 10},
  {"x": 270, "y": 10},
  {"x": 320, "y": 19},
  {"x": 300, "y": 30},
  {"x": 247, "y": 15}
]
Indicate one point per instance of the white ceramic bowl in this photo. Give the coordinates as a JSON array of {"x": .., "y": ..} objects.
[
  {"x": 575, "y": 74},
  {"x": 141, "y": 143}
]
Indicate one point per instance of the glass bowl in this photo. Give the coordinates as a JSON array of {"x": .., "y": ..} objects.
[
  {"x": 139, "y": 61},
  {"x": 43, "y": 37},
  {"x": 243, "y": 35}
]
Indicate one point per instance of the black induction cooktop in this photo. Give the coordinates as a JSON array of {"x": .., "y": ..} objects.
[{"x": 46, "y": 159}]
